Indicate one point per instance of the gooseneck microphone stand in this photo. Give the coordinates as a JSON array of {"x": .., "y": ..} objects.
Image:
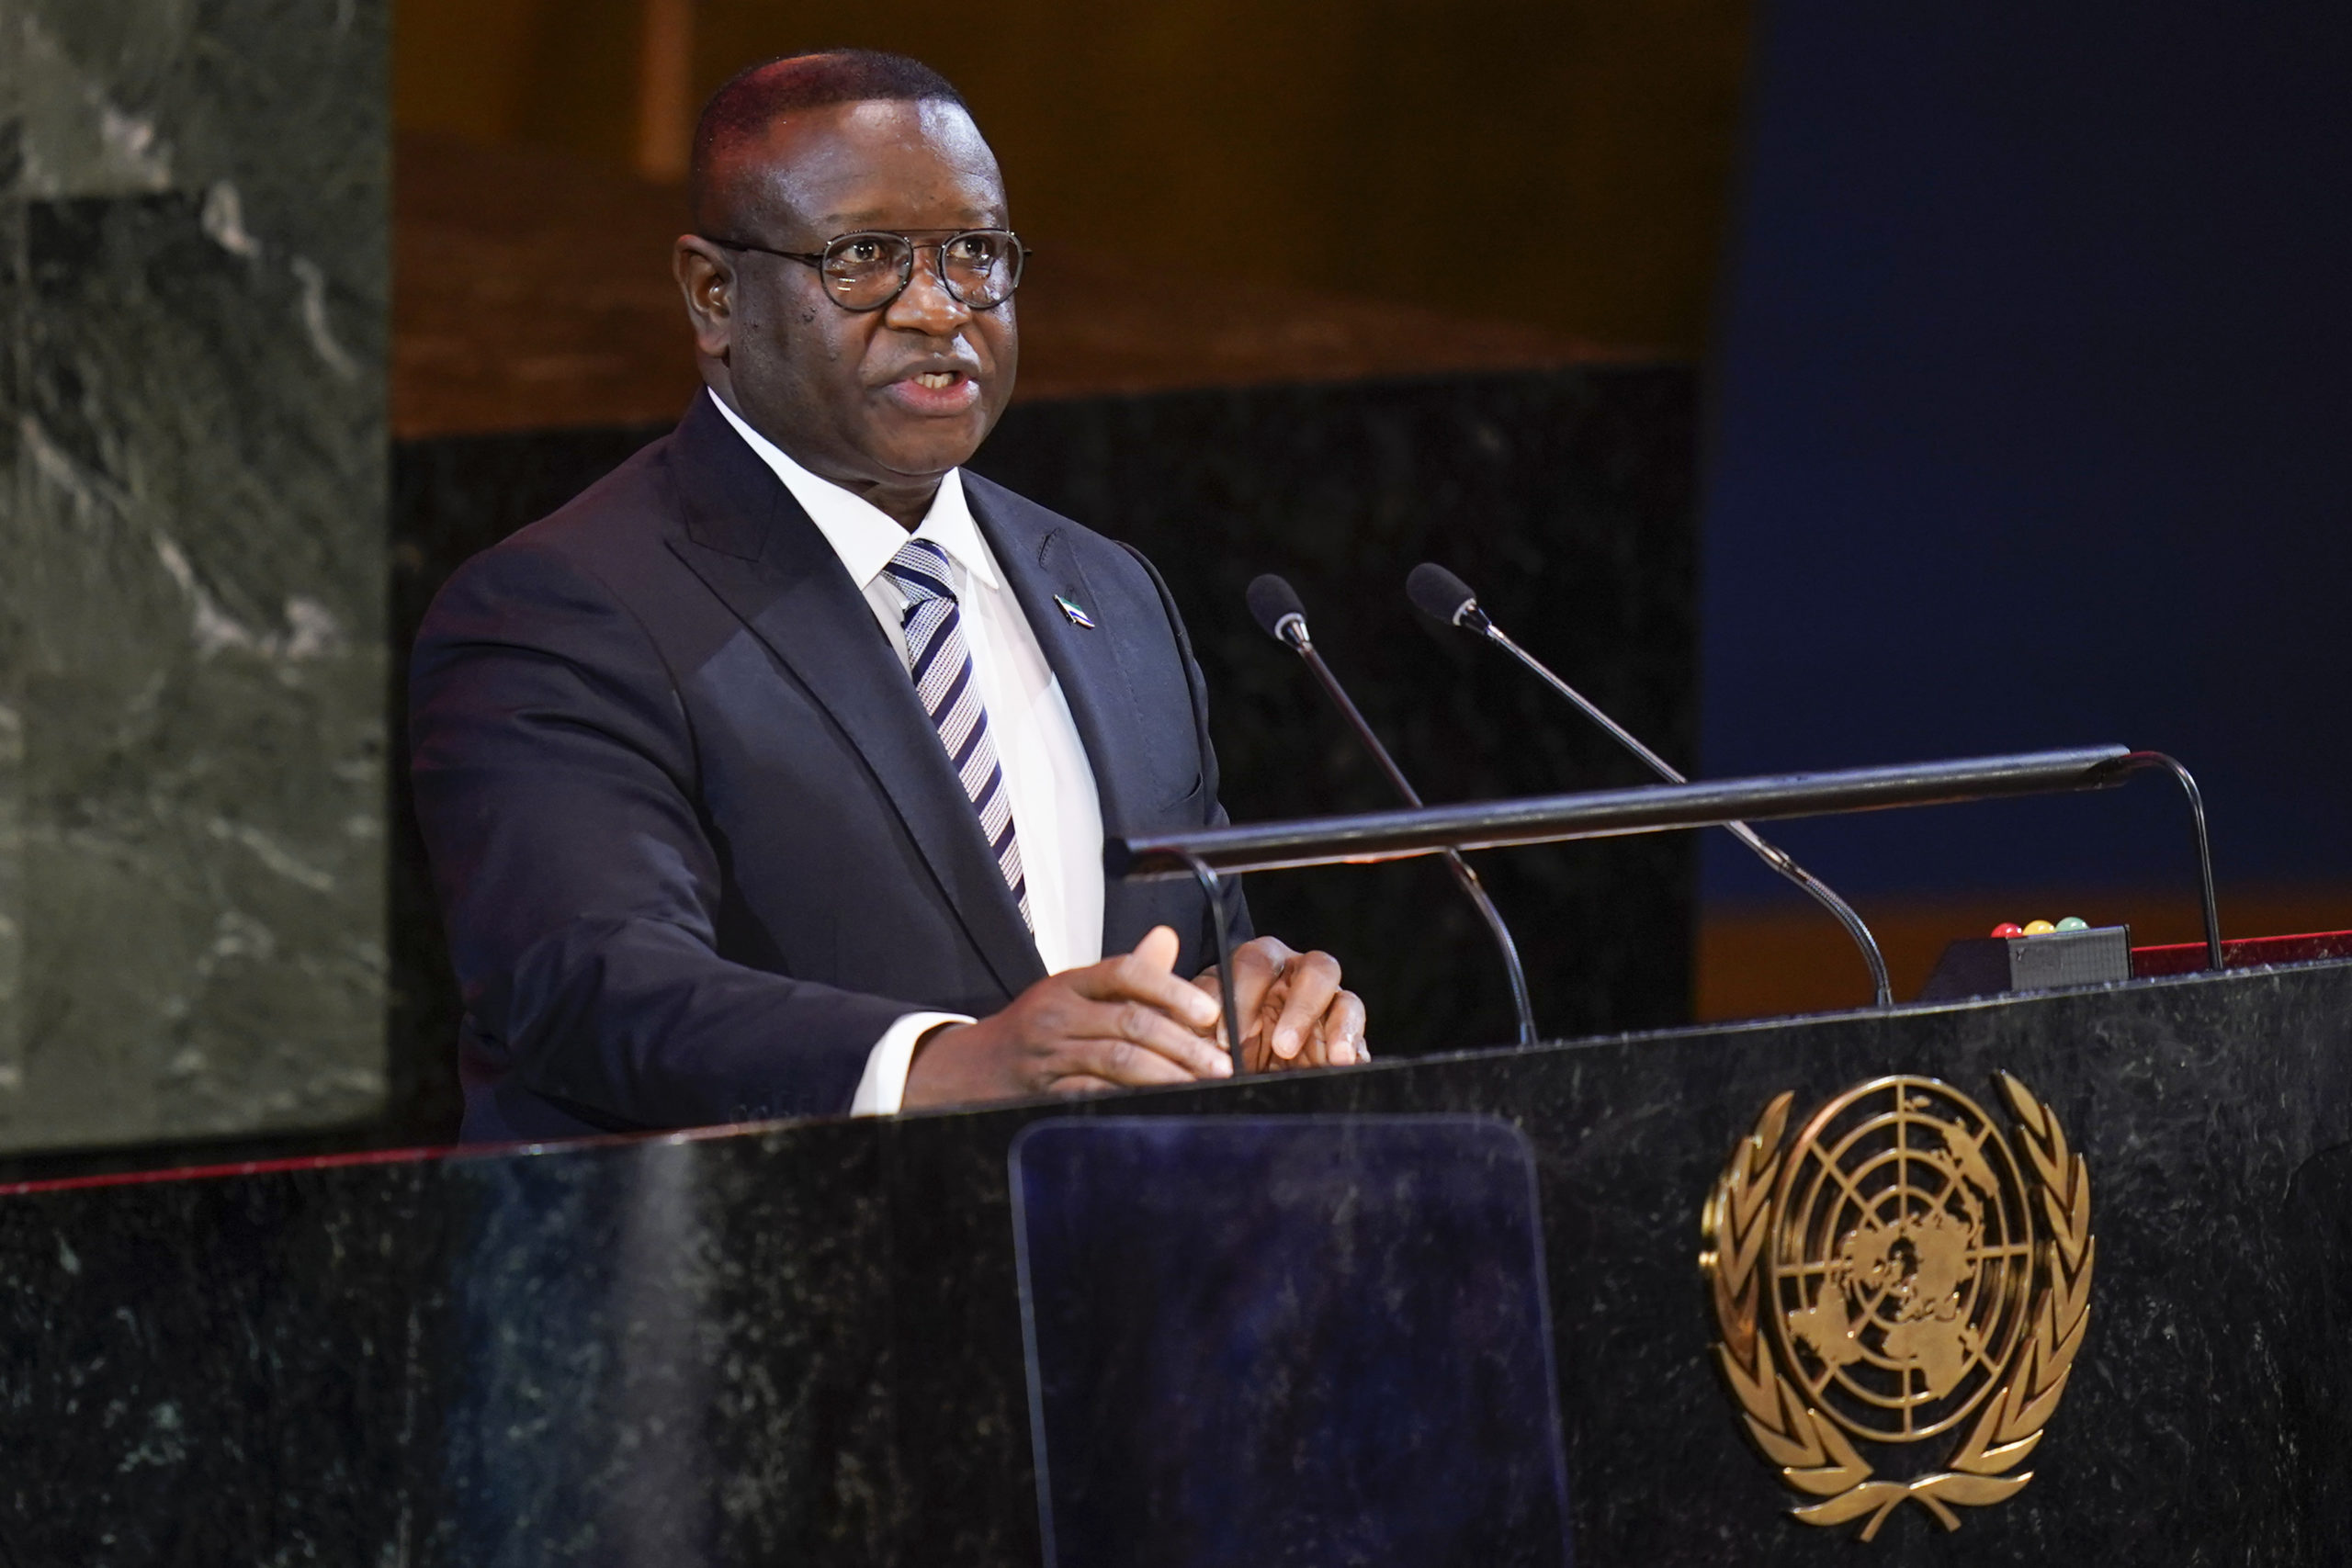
[
  {"x": 1278, "y": 613},
  {"x": 1442, "y": 596}
]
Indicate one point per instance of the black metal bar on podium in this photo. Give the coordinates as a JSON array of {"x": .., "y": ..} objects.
[
  {"x": 1373, "y": 836},
  {"x": 1553, "y": 819}
]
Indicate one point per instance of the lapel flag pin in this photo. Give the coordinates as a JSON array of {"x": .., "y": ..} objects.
[{"x": 1077, "y": 617}]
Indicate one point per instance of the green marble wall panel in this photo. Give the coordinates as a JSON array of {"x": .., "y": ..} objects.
[{"x": 194, "y": 228}]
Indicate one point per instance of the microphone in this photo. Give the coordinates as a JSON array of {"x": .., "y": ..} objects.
[
  {"x": 1442, "y": 596},
  {"x": 1274, "y": 604}
]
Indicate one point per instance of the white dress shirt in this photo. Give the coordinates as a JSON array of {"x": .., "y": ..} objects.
[{"x": 1056, "y": 812}]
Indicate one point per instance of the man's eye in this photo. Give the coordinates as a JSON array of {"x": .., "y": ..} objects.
[{"x": 975, "y": 248}]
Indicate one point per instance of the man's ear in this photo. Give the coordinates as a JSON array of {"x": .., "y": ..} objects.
[{"x": 706, "y": 276}]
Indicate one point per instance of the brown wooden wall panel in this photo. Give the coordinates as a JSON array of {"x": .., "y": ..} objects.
[{"x": 1584, "y": 147}]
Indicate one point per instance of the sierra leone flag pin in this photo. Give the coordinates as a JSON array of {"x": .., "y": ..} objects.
[{"x": 1077, "y": 617}]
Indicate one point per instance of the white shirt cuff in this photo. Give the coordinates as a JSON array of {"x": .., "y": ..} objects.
[{"x": 884, "y": 1086}]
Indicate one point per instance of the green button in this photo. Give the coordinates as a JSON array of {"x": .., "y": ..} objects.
[{"x": 2074, "y": 924}]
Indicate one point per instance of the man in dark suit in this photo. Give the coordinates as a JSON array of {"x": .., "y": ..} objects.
[{"x": 769, "y": 777}]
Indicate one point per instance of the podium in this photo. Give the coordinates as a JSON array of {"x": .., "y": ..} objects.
[{"x": 806, "y": 1342}]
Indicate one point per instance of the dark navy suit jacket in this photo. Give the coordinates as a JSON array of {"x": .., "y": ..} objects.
[{"x": 695, "y": 841}]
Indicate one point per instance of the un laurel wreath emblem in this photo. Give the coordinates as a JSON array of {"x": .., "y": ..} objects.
[{"x": 1895, "y": 1274}]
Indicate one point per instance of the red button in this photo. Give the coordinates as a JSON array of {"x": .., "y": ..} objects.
[{"x": 2008, "y": 928}]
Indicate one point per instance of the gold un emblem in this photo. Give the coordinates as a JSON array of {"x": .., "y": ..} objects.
[{"x": 1894, "y": 1275}]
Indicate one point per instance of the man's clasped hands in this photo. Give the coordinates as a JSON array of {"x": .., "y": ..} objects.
[{"x": 1130, "y": 1021}]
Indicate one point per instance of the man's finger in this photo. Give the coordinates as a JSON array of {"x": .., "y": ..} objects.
[
  {"x": 1145, "y": 976},
  {"x": 1080, "y": 1083},
  {"x": 1311, "y": 981},
  {"x": 1145, "y": 1028},
  {"x": 1335, "y": 1041},
  {"x": 1341, "y": 1031},
  {"x": 1257, "y": 964},
  {"x": 1158, "y": 949},
  {"x": 1117, "y": 1060}
]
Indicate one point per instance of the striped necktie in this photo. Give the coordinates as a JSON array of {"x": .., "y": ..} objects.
[{"x": 942, "y": 668}]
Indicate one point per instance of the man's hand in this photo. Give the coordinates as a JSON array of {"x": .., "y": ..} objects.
[
  {"x": 1293, "y": 1012},
  {"x": 1125, "y": 1021}
]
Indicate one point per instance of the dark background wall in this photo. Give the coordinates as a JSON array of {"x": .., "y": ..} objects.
[{"x": 2031, "y": 385}]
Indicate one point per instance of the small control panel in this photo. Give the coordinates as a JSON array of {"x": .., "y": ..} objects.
[{"x": 2036, "y": 956}]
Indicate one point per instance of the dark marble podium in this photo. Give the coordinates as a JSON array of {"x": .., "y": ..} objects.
[{"x": 803, "y": 1342}]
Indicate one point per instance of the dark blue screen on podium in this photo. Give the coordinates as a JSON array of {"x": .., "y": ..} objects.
[{"x": 1311, "y": 1340}]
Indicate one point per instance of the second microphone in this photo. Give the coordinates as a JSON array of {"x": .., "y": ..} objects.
[{"x": 1275, "y": 606}]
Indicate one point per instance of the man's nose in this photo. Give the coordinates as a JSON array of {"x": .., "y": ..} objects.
[{"x": 925, "y": 305}]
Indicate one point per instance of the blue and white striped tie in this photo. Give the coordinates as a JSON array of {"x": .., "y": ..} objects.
[{"x": 942, "y": 668}]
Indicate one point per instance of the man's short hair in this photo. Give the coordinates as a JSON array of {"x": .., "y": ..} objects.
[{"x": 755, "y": 97}]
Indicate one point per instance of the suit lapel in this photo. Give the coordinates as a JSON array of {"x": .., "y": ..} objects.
[
  {"x": 749, "y": 540},
  {"x": 1040, "y": 563}
]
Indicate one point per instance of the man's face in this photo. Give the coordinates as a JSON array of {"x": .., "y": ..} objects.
[{"x": 882, "y": 401}]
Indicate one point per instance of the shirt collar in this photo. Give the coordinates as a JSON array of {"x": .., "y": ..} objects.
[{"x": 861, "y": 532}]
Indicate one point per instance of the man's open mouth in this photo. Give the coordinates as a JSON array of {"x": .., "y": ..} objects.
[{"x": 954, "y": 390}]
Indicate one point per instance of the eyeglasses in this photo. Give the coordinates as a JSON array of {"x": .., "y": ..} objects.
[{"x": 865, "y": 271}]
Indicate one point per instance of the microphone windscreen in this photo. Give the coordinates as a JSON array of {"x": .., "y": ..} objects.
[
  {"x": 1271, "y": 601},
  {"x": 1437, "y": 593}
]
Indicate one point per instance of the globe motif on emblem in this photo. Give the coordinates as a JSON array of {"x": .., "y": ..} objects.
[{"x": 1901, "y": 1258}]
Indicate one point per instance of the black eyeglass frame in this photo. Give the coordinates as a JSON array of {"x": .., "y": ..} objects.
[{"x": 816, "y": 259}]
